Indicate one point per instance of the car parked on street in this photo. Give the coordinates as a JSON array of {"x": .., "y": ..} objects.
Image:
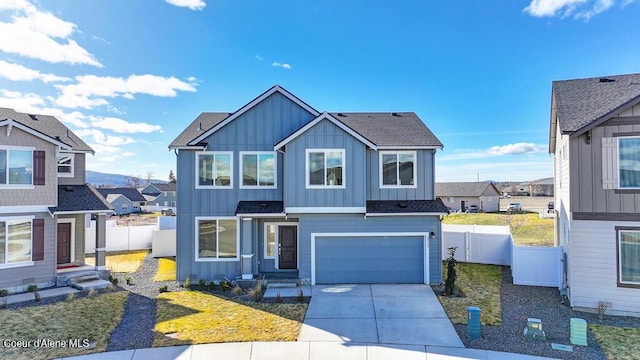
[{"x": 514, "y": 206}]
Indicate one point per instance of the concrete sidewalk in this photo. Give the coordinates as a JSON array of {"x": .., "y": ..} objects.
[
  {"x": 304, "y": 350},
  {"x": 28, "y": 296}
]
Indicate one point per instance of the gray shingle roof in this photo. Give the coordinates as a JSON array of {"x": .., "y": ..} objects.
[
  {"x": 79, "y": 198},
  {"x": 47, "y": 125},
  {"x": 406, "y": 206},
  {"x": 130, "y": 193},
  {"x": 260, "y": 207},
  {"x": 201, "y": 124},
  {"x": 165, "y": 187},
  {"x": 581, "y": 102},
  {"x": 390, "y": 129},
  {"x": 472, "y": 189}
]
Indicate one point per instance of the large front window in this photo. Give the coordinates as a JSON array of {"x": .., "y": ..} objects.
[
  {"x": 325, "y": 168},
  {"x": 629, "y": 162},
  {"x": 15, "y": 241},
  {"x": 258, "y": 169},
  {"x": 629, "y": 256},
  {"x": 398, "y": 169},
  {"x": 215, "y": 169},
  {"x": 216, "y": 239},
  {"x": 16, "y": 167}
]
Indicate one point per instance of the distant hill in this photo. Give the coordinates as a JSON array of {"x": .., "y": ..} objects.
[{"x": 98, "y": 179}]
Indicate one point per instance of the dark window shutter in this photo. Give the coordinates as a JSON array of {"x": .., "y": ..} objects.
[
  {"x": 38, "y": 167},
  {"x": 38, "y": 240}
]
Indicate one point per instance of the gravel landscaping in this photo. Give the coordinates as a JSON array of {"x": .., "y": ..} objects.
[{"x": 520, "y": 302}]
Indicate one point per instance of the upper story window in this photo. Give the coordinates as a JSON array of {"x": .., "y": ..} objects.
[
  {"x": 398, "y": 169},
  {"x": 258, "y": 169},
  {"x": 629, "y": 162},
  {"x": 629, "y": 257},
  {"x": 65, "y": 165},
  {"x": 214, "y": 169},
  {"x": 325, "y": 168},
  {"x": 16, "y": 166}
]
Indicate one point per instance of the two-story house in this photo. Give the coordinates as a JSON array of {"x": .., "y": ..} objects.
[
  {"x": 277, "y": 186},
  {"x": 159, "y": 194},
  {"x": 595, "y": 138},
  {"x": 44, "y": 202},
  {"x": 124, "y": 200}
]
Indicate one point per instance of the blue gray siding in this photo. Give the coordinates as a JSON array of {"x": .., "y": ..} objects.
[
  {"x": 325, "y": 135},
  {"x": 424, "y": 183}
]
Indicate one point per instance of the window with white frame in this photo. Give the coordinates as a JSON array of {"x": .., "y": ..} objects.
[
  {"x": 325, "y": 168},
  {"x": 216, "y": 239},
  {"x": 629, "y": 257},
  {"x": 258, "y": 169},
  {"x": 65, "y": 165},
  {"x": 270, "y": 241},
  {"x": 214, "y": 169},
  {"x": 629, "y": 162},
  {"x": 16, "y": 166},
  {"x": 15, "y": 241},
  {"x": 397, "y": 169},
  {"x": 124, "y": 207}
]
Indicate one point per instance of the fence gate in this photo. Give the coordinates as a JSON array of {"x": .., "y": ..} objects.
[{"x": 537, "y": 265}]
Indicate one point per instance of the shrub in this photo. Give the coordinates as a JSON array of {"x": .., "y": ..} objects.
[
  {"x": 163, "y": 289},
  {"x": 36, "y": 296},
  {"x": 603, "y": 306},
  {"x": 212, "y": 285},
  {"x": 278, "y": 298},
  {"x": 128, "y": 279},
  {"x": 70, "y": 296},
  {"x": 92, "y": 293},
  {"x": 4, "y": 292},
  {"x": 450, "y": 283},
  {"x": 202, "y": 283},
  {"x": 226, "y": 285},
  {"x": 32, "y": 288},
  {"x": 300, "y": 297},
  {"x": 187, "y": 283},
  {"x": 256, "y": 292},
  {"x": 114, "y": 280},
  {"x": 237, "y": 290}
]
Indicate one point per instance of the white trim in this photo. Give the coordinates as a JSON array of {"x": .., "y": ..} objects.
[
  {"x": 101, "y": 249},
  {"x": 336, "y": 122},
  {"x": 71, "y": 166},
  {"x": 261, "y": 216},
  {"x": 101, "y": 267},
  {"x": 397, "y": 154},
  {"x": 25, "y": 209},
  {"x": 277, "y": 224},
  {"x": 325, "y": 151},
  {"x": 406, "y": 214},
  {"x": 217, "y": 218},
  {"x": 325, "y": 210},
  {"x": 16, "y": 265},
  {"x": 83, "y": 212},
  {"x": 247, "y": 256},
  {"x": 618, "y": 162},
  {"x": 214, "y": 153},
  {"x": 11, "y": 122},
  {"x": 4, "y": 183},
  {"x": 619, "y": 251},
  {"x": 72, "y": 221},
  {"x": 194, "y": 147},
  {"x": 258, "y": 153},
  {"x": 425, "y": 236},
  {"x": 250, "y": 105},
  {"x": 409, "y": 147},
  {"x": 247, "y": 276},
  {"x": 7, "y": 219}
]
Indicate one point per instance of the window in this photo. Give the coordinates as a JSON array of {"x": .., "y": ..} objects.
[
  {"x": 397, "y": 169},
  {"x": 258, "y": 169},
  {"x": 629, "y": 257},
  {"x": 15, "y": 241},
  {"x": 325, "y": 168},
  {"x": 216, "y": 239},
  {"x": 449, "y": 200},
  {"x": 124, "y": 207},
  {"x": 629, "y": 162},
  {"x": 270, "y": 241},
  {"x": 214, "y": 169},
  {"x": 16, "y": 166},
  {"x": 65, "y": 165}
]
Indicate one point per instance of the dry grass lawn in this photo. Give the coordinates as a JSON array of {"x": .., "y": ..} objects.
[
  {"x": 481, "y": 285},
  {"x": 122, "y": 261},
  {"x": 617, "y": 343},
  {"x": 92, "y": 318},
  {"x": 192, "y": 317},
  {"x": 166, "y": 269},
  {"x": 530, "y": 230}
]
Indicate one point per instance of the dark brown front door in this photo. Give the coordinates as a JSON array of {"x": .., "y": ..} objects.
[
  {"x": 287, "y": 247},
  {"x": 64, "y": 243}
]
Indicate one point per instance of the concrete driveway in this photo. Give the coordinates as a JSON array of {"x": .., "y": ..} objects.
[{"x": 384, "y": 314}]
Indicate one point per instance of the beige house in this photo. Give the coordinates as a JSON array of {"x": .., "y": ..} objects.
[{"x": 461, "y": 196}]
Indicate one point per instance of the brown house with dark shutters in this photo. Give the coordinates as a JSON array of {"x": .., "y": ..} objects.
[{"x": 44, "y": 203}]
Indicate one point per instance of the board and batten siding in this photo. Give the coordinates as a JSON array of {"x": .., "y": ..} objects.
[
  {"x": 354, "y": 223},
  {"x": 258, "y": 129},
  {"x": 593, "y": 267},
  {"x": 325, "y": 135},
  {"x": 425, "y": 181},
  {"x": 79, "y": 172}
]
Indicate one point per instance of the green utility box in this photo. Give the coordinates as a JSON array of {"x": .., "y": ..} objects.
[
  {"x": 474, "y": 327},
  {"x": 534, "y": 329},
  {"x": 578, "y": 330}
]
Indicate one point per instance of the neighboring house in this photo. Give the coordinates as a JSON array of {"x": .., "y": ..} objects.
[
  {"x": 541, "y": 187},
  {"x": 44, "y": 201},
  {"x": 328, "y": 197},
  {"x": 158, "y": 194},
  {"x": 595, "y": 138},
  {"x": 459, "y": 196},
  {"x": 131, "y": 198}
]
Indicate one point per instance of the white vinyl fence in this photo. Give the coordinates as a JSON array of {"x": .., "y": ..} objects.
[
  {"x": 537, "y": 265},
  {"x": 120, "y": 238}
]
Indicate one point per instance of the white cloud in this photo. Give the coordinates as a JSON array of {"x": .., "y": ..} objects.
[
  {"x": 21, "y": 102},
  {"x": 579, "y": 9},
  {"x": 104, "y": 149},
  {"x": 191, "y": 4},
  {"x": 16, "y": 72},
  {"x": 284, "y": 66},
  {"x": 90, "y": 90},
  {"x": 100, "y": 138},
  {"x": 40, "y": 35},
  {"x": 518, "y": 148},
  {"x": 122, "y": 126},
  {"x": 259, "y": 58},
  {"x": 128, "y": 154}
]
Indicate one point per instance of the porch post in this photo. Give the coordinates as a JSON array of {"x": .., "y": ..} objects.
[
  {"x": 247, "y": 249},
  {"x": 101, "y": 241}
]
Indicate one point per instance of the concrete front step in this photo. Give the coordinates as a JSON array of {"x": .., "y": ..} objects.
[
  {"x": 65, "y": 278},
  {"x": 281, "y": 284},
  {"x": 91, "y": 284},
  {"x": 84, "y": 278},
  {"x": 287, "y": 292}
]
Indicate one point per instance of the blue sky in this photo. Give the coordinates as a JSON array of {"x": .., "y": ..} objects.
[{"x": 128, "y": 76}]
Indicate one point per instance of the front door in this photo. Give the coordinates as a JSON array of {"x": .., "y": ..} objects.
[
  {"x": 64, "y": 243},
  {"x": 287, "y": 247}
]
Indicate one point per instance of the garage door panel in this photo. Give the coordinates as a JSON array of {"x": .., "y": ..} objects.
[{"x": 369, "y": 260}]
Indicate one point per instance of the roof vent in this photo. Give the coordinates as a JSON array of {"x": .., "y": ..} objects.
[
  {"x": 264, "y": 205},
  {"x": 341, "y": 114},
  {"x": 33, "y": 117},
  {"x": 605, "y": 80},
  {"x": 394, "y": 114},
  {"x": 402, "y": 205},
  {"x": 200, "y": 127},
  {"x": 68, "y": 188}
]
